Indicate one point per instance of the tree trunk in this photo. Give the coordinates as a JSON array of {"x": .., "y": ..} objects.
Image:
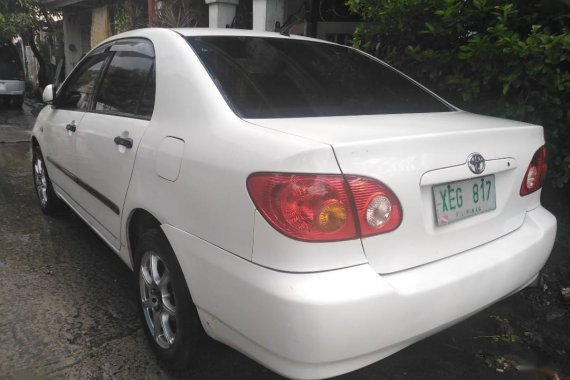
[{"x": 43, "y": 79}]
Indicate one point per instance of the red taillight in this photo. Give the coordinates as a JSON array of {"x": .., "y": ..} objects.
[
  {"x": 320, "y": 207},
  {"x": 535, "y": 173},
  {"x": 304, "y": 207}
]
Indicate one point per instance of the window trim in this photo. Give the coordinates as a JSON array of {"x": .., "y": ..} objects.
[{"x": 120, "y": 114}]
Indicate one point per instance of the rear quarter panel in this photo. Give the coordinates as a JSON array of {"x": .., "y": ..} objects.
[{"x": 209, "y": 199}]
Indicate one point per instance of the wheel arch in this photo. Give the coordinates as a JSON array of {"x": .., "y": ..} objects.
[{"x": 139, "y": 221}]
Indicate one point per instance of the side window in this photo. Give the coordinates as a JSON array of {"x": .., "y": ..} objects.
[
  {"x": 124, "y": 83},
  {"x": 78, "y": 92},
  {"x": 10, "y": 66},
  {"x": 147, "y": 100}
]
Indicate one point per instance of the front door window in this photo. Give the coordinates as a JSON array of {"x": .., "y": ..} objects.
[{"x": 77, "y": 93}]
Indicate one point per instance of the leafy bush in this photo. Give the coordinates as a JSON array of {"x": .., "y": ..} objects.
[{"x": 504, "y": 58}]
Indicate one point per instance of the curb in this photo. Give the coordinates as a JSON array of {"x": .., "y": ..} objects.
[
  {"x": 33, "y": 102},
  {"x": 35, "y": 105}
]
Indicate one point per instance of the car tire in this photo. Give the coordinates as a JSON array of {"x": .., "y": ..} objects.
[
  {"x": 168, "y": 314},
  {"x": 50, "y": 203}
]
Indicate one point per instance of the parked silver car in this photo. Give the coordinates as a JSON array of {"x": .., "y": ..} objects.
[{"x": 12, "y": 85}]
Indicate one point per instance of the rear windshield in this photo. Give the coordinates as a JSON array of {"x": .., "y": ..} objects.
[
  {"x": 10, "y": 65},
  {"x": 264, "y": 77}
]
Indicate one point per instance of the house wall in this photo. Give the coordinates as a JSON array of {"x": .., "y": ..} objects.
[
  {"x": 266, "y": 13},
  {"x": 100, "y": 25},
  {"x": 76, "y": 36},
  {"x": 87, "y": 25}
]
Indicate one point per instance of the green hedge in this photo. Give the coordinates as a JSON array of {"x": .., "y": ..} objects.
[{"x": 503, "y": 58}]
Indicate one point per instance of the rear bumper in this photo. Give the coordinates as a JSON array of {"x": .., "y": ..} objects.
[
  {"x": 12, "y": 87},
  {"x": 316, "y": 325}
]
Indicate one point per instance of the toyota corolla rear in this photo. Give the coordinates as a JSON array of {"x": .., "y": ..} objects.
[
  {"x": 431, "y": 201},
  {"x": 432, "y": 215}
]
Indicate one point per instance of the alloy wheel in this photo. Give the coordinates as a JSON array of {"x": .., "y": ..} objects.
[
  {"x": 158, "y": 300},
  {"x": 41, "y": 180}
]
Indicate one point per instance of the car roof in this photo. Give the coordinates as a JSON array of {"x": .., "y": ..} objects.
[
  {"x": 189, "y": 32},
  {"x": 200, "y": 32},
  {"x": 224, "y": 32}
]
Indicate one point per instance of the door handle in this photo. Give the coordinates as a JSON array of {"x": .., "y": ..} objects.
[
  {"x": 71, "y": 127},
  {"x": 124, "y": 141}
]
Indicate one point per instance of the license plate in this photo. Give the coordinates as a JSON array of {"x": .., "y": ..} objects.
[{"x": 463, "y": 199}]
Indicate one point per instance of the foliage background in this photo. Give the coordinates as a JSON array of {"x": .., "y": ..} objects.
[
  {"x": 503, "y": 58},
  {"x": 27, "y": 18},
  {"x": 22, "y": 17}
]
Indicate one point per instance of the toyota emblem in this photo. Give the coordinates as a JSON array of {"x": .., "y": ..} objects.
[{"x": 476, "y": 163}]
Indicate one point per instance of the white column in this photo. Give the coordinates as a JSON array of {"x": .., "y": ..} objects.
[
  {"x": 100, "y": 25},
  {"x": 266, "y": 13},
  {"x": 221, "y": 12}
]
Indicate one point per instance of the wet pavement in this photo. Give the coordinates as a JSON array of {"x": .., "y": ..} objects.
[
  {"x": 15, "y": 125},
  {"x": 67, "y": 307}
]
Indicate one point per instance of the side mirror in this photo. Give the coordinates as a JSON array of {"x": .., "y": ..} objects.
[{"x": 48, "y": 94}]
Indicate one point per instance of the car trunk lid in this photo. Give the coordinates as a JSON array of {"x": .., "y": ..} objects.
[{"x": 411, "y": 154}]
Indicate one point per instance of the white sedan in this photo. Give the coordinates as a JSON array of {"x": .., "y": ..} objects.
[{"x": 298, "y": 200}]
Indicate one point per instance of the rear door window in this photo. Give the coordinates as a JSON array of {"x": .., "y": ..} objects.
[
  {"x": 127, "y": 87},
  {"x": 146, "y": 106}
]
